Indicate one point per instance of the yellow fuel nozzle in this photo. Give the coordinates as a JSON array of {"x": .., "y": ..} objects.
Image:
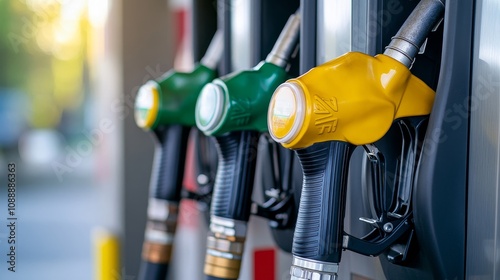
[{"x": 354, "y": 98}]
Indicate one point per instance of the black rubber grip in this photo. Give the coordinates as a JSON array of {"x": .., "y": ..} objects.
[
  {"x": 153, "y": 271},
  {"x": 235, "y": 175},
  {"x": 169, "y": 160},
  {"x": 320, "y": 222}
]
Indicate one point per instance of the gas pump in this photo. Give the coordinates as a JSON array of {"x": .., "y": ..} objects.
[
  {"x": 351, "y": 101},
  {"x": 165, "y": 107},
  {"x": 422, "y": 145},
  {"x": 233, "y": 109}
]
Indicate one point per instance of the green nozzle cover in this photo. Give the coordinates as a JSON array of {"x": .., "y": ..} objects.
[
  {"x": 178, "y": 93},
  {"x": 247, "y": 95}
]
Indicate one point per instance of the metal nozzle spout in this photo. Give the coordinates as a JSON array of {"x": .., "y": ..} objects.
[
  {"x": 286, "y": 43},
  {"x": 410, "y": 37}
]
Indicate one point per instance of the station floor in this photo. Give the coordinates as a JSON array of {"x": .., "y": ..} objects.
[{"x": 53, "y": 227}]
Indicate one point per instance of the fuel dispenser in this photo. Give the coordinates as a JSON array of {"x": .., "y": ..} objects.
[
  {"x": 355, "y": 100},
  {"x": 232, "y": 108},
  {"x": 400, "y": 167},
  {"x": 165, "y": 107}
]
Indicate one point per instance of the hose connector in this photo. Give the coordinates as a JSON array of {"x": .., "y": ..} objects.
[
  {"x": 405, "y": 46},
  {"x": 160, "y": 230}
]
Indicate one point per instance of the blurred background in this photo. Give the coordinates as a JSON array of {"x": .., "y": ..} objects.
[{"x": 69, "y": 72}]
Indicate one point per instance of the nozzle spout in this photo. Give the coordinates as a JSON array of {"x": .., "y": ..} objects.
[
  {"x": 214, "y": 51},
  {"x": 286, "y": 43},
  {"x": 410, "y": 37}
]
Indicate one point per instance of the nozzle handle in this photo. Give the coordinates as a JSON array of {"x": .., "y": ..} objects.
[
  {"x": 410, "y": 37},
  {"x": 235, "y": 175},
  {"x": 169, "y": 160},
  {"x": 320, "y": 223}
]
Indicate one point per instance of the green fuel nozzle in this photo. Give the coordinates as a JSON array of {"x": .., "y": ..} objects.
[
  {"x": 171, "y": 99},
  {"x": 165, "y": 107},
  {"x": 239, "y": 101},
  {"x": 233, "y": 108}
]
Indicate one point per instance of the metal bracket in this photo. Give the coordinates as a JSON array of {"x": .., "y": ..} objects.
[{"x": 278, "y": 211}]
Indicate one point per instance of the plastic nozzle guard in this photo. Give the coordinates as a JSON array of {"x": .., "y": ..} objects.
[{"x": 354, "y": 99}]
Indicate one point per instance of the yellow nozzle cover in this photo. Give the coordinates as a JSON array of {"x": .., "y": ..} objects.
[{"x": 356, "y": 98}]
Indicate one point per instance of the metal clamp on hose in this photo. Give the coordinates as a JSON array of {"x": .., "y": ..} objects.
[{"x": 160, "y": 230}]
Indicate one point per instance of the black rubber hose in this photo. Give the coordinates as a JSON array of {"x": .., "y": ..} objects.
[{"x": 320, "y": 222}]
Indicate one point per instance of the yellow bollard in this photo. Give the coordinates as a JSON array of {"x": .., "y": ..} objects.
[{"x": 107, "y": 255}]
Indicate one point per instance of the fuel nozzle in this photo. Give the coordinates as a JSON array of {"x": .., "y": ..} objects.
[
  {"x": 171, "y": 99},
  {"x": 165, "y": 107},
  {"x": 324, "y": 114},
  {"x": 233, "y": 109},
  {"x": 239, "y": 101}
]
